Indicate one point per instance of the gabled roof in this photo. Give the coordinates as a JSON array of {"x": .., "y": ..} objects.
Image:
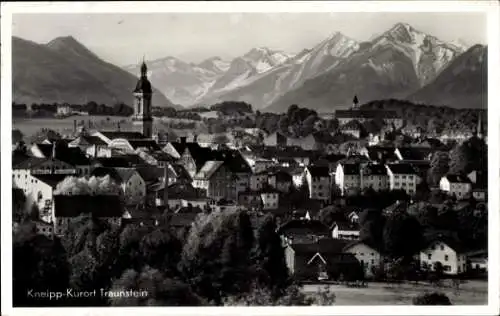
[
  {"x": 144, "y": 143},
  {"x": 117, "y": 161},
  {"x": 449, "y": 241},
  {"x": 88, "y": 140},
  {"x": 304, "y": 227},
  {"x": 374, "y": 169},
  {"x": 28, "y": 163},
  {"x": 208, "y": 169},
  {"x": 50, "y": 179},
  {"x": 379, "y": 152},
  {"x": 357, "y": 242},
  {"x": 333, "y": 157},
  {"x": 120, "y": 175},
  {"x": 347, "y": 226},
  {"x": 402, "y": 168},
  {"x": 98, "y": 205},
  {"x": 118, "y": 134},
  {"x": 457, "y": 178},
  {"x": 281, "y": 176},
  {"x": 319, "y": 171},
  {"x": 322, "y": 246},
  {"x": 350, "y": 168},
  {"x": 71, "y": 155},
  {"x": 233, "y": 160},
  {"x": 150, "y": 173},
  {"x": 414, "y": 153}
]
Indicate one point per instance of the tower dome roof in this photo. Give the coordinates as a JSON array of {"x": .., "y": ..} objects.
[{"x": 143, "y": 85}]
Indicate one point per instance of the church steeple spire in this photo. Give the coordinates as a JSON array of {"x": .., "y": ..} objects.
[{"x": 144, "y": 68}]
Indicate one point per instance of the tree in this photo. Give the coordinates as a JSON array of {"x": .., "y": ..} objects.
[
  {"x": 293, "y": 296},
  {"x": 330, "y": 214},
  {"x": 39, "y": 264},
  {"x": 308, "y": 124},
  {"x": 160, "y": 249},
  {"x": 18, "y": 205},
  {"x": 439, "y": 167},
  {"x": 17, "y": 136},
  {"x": 91, "y": 186},
  {"x": 403, "y": 235},
  {"x": 270, "y": 256},
  {"x": 431, "y": 299},
  {"x": 372, "y": 225},
  {"x": 458, "y": 159},
  {"x": 161, "y": 291},
  {"x": 216, "y": 257}
]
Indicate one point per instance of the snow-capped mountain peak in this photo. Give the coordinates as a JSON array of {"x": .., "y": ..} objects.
[
  {"x": 263, "y": 58},
  {"x": 428, "y": 54}
]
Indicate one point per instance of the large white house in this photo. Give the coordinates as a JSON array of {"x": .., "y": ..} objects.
[
  {"x": 319, "y": 183},
  {"x": 374, "y": 176},
  {"x": 369, "y": 258},
  {"x": 449, "y": 254},
  {"x": 347, "y": 176},
  {"x": 403, "y": 176},
  {"x": 457, "y": 185}
]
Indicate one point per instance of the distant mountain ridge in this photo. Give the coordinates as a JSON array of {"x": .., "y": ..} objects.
[
  {"x": 402, "y": 63},
  {"x": 396, "y": 63},
  {"x": 64, "y": 70},
  {"x": 463, "y": 84}
]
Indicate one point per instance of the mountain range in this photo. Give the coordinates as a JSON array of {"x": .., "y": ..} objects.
[
  {"x": 400, "y": 63},
  {"x": 64, "y": 70}
]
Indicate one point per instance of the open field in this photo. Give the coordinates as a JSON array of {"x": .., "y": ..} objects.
[
  {"x": 470, "y": 293},
  {"x": 65, "y": 125}
]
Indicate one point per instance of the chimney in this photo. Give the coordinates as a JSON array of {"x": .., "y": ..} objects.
[
  {"x": 95, "y": 150},
  {"x": 74, "y": 126}
]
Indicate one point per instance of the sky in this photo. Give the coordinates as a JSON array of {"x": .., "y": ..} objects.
[{"x": 123, "y": 39}]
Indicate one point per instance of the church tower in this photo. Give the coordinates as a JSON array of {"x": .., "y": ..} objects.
[{"x": 142, "y": 120}]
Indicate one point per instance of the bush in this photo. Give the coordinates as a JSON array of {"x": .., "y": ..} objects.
[{"x": 431, "y": 299}]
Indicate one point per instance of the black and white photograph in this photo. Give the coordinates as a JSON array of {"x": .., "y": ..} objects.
[{"x": 178, "y": 158}]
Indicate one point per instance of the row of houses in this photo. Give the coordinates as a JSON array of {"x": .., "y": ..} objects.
[{"x": 313, "y": 253}]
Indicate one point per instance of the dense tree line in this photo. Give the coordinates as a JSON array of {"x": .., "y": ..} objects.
[
  {"x": 432, "y": 119},
  {"x": 224, "y": 260},
  {"x": 92, "y": 108}
]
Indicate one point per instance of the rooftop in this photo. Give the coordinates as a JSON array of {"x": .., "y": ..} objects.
[{"x": 97, "y": 205}]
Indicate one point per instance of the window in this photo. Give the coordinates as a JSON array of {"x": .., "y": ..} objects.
[
  {"x": 429, "y": 257},
  {"x": 447, "y": 268},
  {"x": 404, "y": 177},
  {"x": 373, "y": 261},
  {"x": 445, "y": 257},
  {"x": 373, "y": 254}
]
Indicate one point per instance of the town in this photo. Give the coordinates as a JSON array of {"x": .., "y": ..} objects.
[{"x": 350, "y": 197}]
